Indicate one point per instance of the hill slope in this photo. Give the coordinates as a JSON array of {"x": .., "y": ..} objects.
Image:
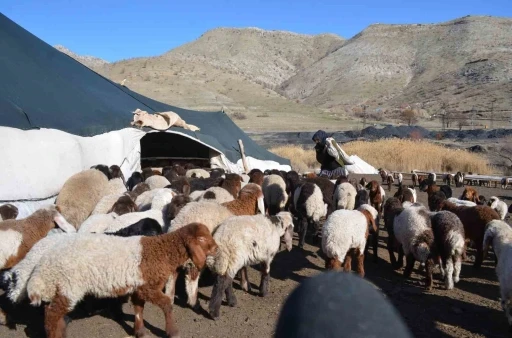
[
  {"x": 89, "y": 61},
  {"x": 465, "y": 62}
]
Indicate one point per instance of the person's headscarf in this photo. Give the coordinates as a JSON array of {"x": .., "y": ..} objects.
[{"x": 321, "y": 135}]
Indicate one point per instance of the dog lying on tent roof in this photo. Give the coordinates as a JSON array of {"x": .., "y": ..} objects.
[{"x": 160, "y": 121}]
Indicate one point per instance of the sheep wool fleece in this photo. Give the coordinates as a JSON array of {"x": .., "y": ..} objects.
[{"x": 96, "y": 264}]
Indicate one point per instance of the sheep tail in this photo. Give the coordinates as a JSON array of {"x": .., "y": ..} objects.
[
  {"x": 220, "y": 262},
  {"x": 37, "y": 288}
]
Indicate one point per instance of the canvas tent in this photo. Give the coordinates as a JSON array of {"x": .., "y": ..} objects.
[{"x": 58, "y": 117}]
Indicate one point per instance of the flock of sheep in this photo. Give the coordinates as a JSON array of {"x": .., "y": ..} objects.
[{"x": 109, "y": 238}]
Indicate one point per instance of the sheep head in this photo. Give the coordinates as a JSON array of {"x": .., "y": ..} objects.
[
  {"x": 373, "y": 186},
  {"x": 284, "y": 221},
  {"x": 199, "y": 242}
]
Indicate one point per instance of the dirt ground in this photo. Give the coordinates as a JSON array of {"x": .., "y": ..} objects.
[{"x": 470, "y": 310}]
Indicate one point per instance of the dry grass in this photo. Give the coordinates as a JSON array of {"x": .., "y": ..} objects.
[{"x": 396, "y": 154}]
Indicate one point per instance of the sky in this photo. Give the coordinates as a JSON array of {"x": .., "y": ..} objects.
[{"x": 115, "y": 30}]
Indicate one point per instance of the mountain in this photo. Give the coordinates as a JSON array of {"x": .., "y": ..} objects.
[
  {"x": 287, "y": 81},
  {"x": 463, "y": 63},
  {"x": 89, "y": 61}
]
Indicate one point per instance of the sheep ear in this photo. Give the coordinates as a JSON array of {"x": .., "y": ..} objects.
[
  {"x": 261, "y": 205},
  {"x": 196, "y": 252},
  {"x": 63, "y": 224},
  {"x": 186, "y": 190}
]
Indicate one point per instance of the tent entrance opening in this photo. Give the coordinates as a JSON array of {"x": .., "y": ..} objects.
[{"x": 160, "y": 149}]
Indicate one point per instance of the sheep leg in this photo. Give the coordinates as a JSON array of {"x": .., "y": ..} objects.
[
  {"x": 170, "y": 286},
  {"x": 400, "y": 261},
  {"x": 448, "y": 282},
  {"x": 442, "y": 266},
  {"x": 479, "y": 257},
  {"x": 230, "y": 295},
  {"x": 54, "y": 322},
  {"x": 391, "y": 252},
  {"x": 457, "y": 267},
  {"x": 244, "y": 280},
  {"x": 375, "y": 241},
  {"x": 221, "y": 283},
  {"x": 158, "y": 298},
  {"x": 304, "y": 229},
  {"x": 333, "y": 264},
  {"x": 347, "y": 264},
  {"x": 265, "y": 277},
  {"x": 138, "y": 308},
  {"x": 192, "y": 285},
  {"x": 429, "y": 270},
  {"x": 360, "y": 263},
  {"x": 409, "y": 265}
]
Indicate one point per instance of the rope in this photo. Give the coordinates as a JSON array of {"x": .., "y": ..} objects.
[{"x": 29, "y": 199}]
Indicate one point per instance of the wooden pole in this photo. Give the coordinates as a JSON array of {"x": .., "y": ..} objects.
[{"x": 244, "y": 160}]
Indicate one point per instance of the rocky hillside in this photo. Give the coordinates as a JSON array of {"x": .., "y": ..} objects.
[
  {"x": 308, "y": 80},
  {"x": 89, "y": 61},
  {"x": 464, "y": 63},
  {"x": 234, "y": 69}
]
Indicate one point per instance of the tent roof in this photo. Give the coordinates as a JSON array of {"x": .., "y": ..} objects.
[{"x": 40, "y": 87}]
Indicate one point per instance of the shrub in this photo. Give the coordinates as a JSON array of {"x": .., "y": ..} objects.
[{"x": 238, "y": 116}]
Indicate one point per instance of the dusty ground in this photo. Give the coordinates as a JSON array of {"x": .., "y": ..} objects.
[{"x": 470, "y": 310}]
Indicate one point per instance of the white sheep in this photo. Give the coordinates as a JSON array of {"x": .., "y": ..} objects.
[
  {"x": 400, "y": 178},
  {"x": 244, "y": 241},
  {"x": 344, "y": 235},
  {"x": 157, "y": 182},
  {"x": 197, "y": 173},
  {"x": 450, "y": 243},
  {"x": 499, "y": 235},
  {"x": 17, "y": 237},
  {"x": 216, "y": 194},
  {"x": 145, "y": 200},
  {"x": 274, "y": 191},
  {"x": 345, "y": 196},
  {"x": 106, "y": 204},
  {"x": 498, "y": 205},
  {"x": 463, "y": 203},
  {"x": 196, "y": 195},
  {"x": 108, "y": 266},
  {"x": 413, "y": 230},
  {"x": 309, "y": 207}
]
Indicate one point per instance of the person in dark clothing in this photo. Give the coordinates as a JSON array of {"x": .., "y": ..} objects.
[
  {"x": 329, "y": 166},
  {"x": 337, "y": 304}
]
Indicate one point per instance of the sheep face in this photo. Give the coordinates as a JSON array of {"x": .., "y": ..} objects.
[
  {"x": 284, "y": 220},
  {"x": 200, "y": 243},
  {"x": 8, "y": 211},
  {"x": 373, "y": 186}
]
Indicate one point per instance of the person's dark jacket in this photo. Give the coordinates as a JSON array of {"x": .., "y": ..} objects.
[{"x": 322, "y": 156}]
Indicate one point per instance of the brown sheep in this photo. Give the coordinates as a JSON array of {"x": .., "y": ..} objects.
[
  {"x": 80, "y": 195},
  {"x": 8, "y": 211},
  {"x": 124, "y": 205},
  {"x": 147, "y": 172},
  {"x": 17, "y": 237},
  {"x": 470, "y": 194},
  {"x": 151, "y": 264},
  {"x": 376, "y": 201},
  {"x": 249, "y": 201},
  {"x": 140, "y": 188},
  {"x": 392, "y": 208},
  {"x": 363, "y": 181},
  {"x": 232, "y": 183},
  {"x": 256, "y": 176},
  {"x": 177, "y": 203},
  {"x": 474, "y": 220},
  {"x": 390, "y": 181},
  {"x": 383, "y": 174},
  {"x": 115, "y": 172},
  {"x": 414, "y": 179}
]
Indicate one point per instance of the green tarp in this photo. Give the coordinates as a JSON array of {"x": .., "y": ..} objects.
[{"x": 41, "y": 87}]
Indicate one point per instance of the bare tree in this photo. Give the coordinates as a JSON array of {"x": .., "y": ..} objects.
[
  {"x": 409, "y": 116},
  {"x": 462, "y": 120}
]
